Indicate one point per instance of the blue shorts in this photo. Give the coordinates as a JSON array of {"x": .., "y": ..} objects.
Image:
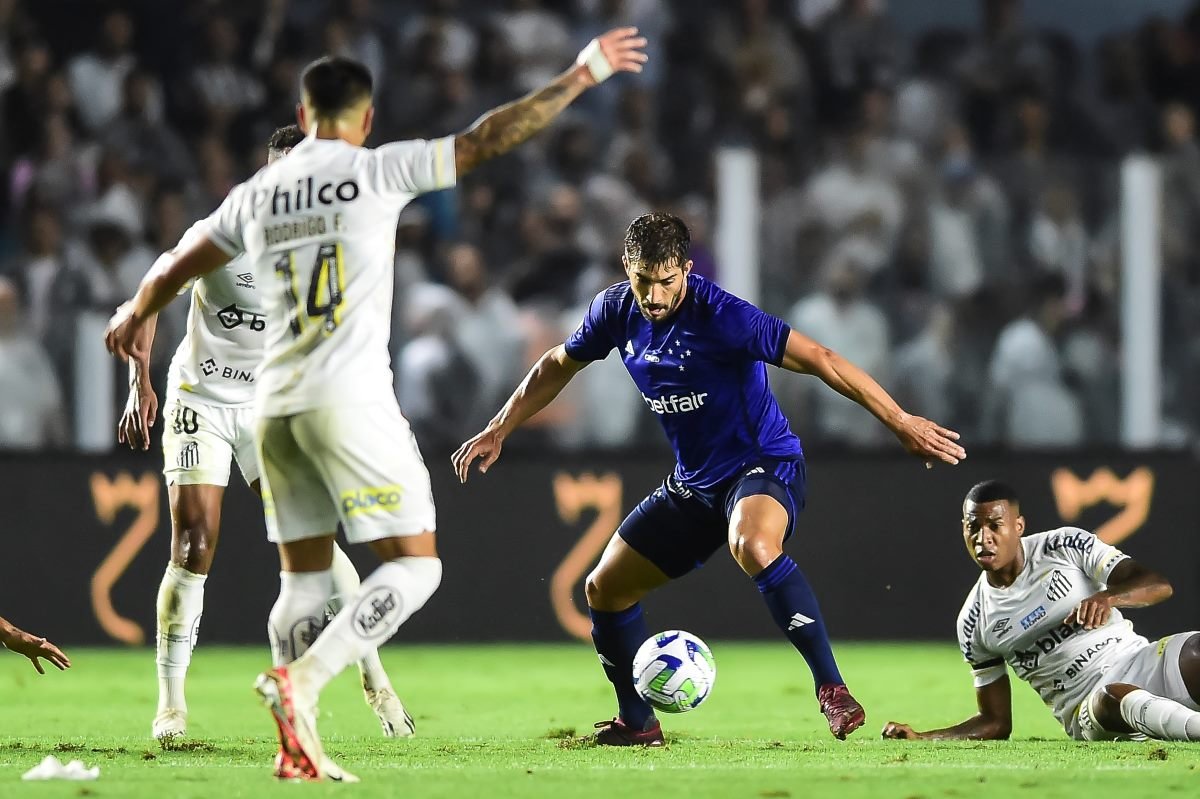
[{"x": 678, "y": 528}]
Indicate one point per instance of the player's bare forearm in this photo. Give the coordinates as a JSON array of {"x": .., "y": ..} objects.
[
  {"x": 993, "y": 722},
  {"x": 1132, "y": 585},
  {"x": 503, "y": 128},
  {"x": 544, "y": 381},
  {"x": 172, "y": 271},
  {"x": 139, "y": 365},
  {"x": 805, "y": 356}
]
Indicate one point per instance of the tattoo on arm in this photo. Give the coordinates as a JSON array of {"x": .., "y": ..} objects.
[{"x": 503, "y": 128}]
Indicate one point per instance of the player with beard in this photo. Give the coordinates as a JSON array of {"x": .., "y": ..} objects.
[{"x": 697, "y": 354}]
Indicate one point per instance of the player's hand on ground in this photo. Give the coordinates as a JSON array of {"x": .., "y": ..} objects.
[
  {"x": 34, "y": 647},
  {"x": 899, "y": 732},
  {"x": 621, "y": 48},
  {"x": 121, "y": 335},
  {"x": 929, "y": 440},
  {"x": 1092, "y": 612},
  {"x": 141, "y": 409},
  {"x": 486, "y": 446}
]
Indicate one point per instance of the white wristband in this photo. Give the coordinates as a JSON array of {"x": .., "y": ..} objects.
[{"x": 594, "y": 59}]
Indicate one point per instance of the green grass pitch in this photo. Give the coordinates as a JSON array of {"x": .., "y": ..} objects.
[{"x": 495, "y": 721}]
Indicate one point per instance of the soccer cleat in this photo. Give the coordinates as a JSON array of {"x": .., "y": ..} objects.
[
  {"x": 618, "y": 733},
  {"x": 393, "y": 717},
  {"x": 844, "y": 712},
  {"x": 169, "y": 725},
  {"x": 300, "y": 753}
]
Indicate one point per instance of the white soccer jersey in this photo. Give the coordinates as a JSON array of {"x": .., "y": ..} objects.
[
  {"x": 318, "y": 227},
  {"x": 1023, "y": 623},
  {"x": 217, "y": 359}
]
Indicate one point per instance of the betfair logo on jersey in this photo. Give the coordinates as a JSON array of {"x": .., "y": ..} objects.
[
  {"x": 676, "y": 403},
  {"x": 371, "y": 500}
]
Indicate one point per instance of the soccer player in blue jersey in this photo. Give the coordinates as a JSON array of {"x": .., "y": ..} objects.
[{"x": 697, "y": 354}]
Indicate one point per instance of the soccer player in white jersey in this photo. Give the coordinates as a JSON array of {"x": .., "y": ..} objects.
[
  {"x": 1048, "y": 605},
  {"x": 333, "y": 445},
  {"x": 209, "y": 418}
]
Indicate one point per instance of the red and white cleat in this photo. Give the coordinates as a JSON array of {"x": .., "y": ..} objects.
[
  {"x": 300, "y": 753},
  {"x": 844, "y": 712}
]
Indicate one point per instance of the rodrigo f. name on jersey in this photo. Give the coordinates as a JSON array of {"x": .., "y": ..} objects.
[
  {"x": 216, "y": 362},
  {"x": 1023, "y": 624},
  {"x": 701, "y": 371},
  {"x": 319, "y": 227}
]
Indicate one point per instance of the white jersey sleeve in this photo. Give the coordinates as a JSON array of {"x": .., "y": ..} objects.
[
  {"x": 224, "y": 226},
  {"x": 987, "y": 666},
  {"x": 1083, "y": 549},
  {"x": 415, "y": 167}
]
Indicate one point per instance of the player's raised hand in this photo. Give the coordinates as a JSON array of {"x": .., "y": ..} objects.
[
  {"x": 900, "y": 732},
  {"x": 33, "y": 647},
  {"x": 141, "y": 409},
  {"x": 1092, "y": 612},
  {"x": 618, "y": 50},
  {"x": 929, "y": 440},
  {"x": 121, "y": 336},
  {"x": 485, "y": 445}
]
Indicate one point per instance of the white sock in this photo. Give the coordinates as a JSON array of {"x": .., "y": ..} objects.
[
  {"x": 298, "y": 615},
  {"x": 393, "y": 592},
  {"x": 1160, "y": 717},
  {"x": 180, "y": 605},
  {"x": 346, "y": 584}
]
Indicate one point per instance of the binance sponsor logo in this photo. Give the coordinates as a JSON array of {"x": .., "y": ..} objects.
[{"x": 371, "y": 500}]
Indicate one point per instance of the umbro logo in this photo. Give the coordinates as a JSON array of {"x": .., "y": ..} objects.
[
  {"x": 1001, "y": 628},
  {"x": 247, "y": 280},
  {"x": 798, "y": 621}
]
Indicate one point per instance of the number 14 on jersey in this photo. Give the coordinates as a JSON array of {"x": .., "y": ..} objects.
[{"x": 326, "y": 285}]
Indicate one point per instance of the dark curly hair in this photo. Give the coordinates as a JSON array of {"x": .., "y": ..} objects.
[
  {"x": 285, "y": 138},
  {"x": 657, "y": 239}
]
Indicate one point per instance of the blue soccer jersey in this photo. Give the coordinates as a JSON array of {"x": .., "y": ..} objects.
[{"x": 701, "y": 371}]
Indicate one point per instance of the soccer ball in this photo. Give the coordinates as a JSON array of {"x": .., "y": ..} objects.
[{"x": 674, "y": 671}]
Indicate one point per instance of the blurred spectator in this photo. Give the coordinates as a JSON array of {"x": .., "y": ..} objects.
[
  {"x": 1059, "y": 242},
  {"x": 968, "y": 223},
  {"x": 1181, "y": 193},
  {"x": 31, "y": 416},
  {"x": 441, "y": 18},
  {"x": 488, "y": 330},
  {"x": 539, "y": 40},
  {"x": 436, "y": 383},
  {"x": 923, "y": 370},
  {"x": 97, "y": 78},
  {"x": 1027, "y": 401},
  {"x": 860, "y": 47},
  {"x": 140, "y": 136},
  {"x": 223, "y": 86},
  {"x": 24, "y": 101},
  {"x": 840, "y": 317},
  {"x": 59, "y": 173}
]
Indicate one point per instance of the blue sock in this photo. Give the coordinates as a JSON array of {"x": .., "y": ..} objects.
[
  {"x": 794, "y": 608},
  {"x": 617, "y": 637}
]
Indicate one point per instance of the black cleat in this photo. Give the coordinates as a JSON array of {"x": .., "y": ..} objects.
[{"x": 618, "y": 733}]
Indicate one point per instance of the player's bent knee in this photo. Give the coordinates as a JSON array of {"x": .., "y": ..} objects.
[
  {"x": 194, "y": 547},
  {"x": 754, "y": 551},
  {"x": 601, "y": 594}
]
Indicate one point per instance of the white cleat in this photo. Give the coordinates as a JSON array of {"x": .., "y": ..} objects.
[
  {"x": 169, "y": 725},
  {"x": 301, "y": 754},
  {"x": 390, "y": 710}
]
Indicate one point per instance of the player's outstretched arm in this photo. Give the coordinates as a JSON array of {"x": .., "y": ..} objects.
[
  {"x": 919, "y": 435},
  {"x": 1131, "y": 585},
  {"x": 141, "y": 409},
  {"x": 541, "y": 385},
  {"x": 503, "y": 128},
  {"x": 32, "y": 647},
  {"x": 992, "y": 722},
  {"x": 160, "y": 285}
]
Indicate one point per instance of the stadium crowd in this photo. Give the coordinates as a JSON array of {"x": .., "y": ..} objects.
[{"x": 941, "y": 208}]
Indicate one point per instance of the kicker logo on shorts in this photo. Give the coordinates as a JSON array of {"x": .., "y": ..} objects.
[{"x": 380, "y": 499}]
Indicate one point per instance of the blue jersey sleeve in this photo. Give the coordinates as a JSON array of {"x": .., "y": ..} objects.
[
  {"x": 592, "y": 340},
  {"x": 754, "y": 332}
]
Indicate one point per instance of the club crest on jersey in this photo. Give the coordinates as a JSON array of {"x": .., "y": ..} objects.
[{"x": 1058, "y": 587}]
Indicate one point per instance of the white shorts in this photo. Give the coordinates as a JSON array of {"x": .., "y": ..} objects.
[
  {"x": 200, "y": 439},
  {"x": 1154, "y": 667},
  {"x": 357, "y": 465}
]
